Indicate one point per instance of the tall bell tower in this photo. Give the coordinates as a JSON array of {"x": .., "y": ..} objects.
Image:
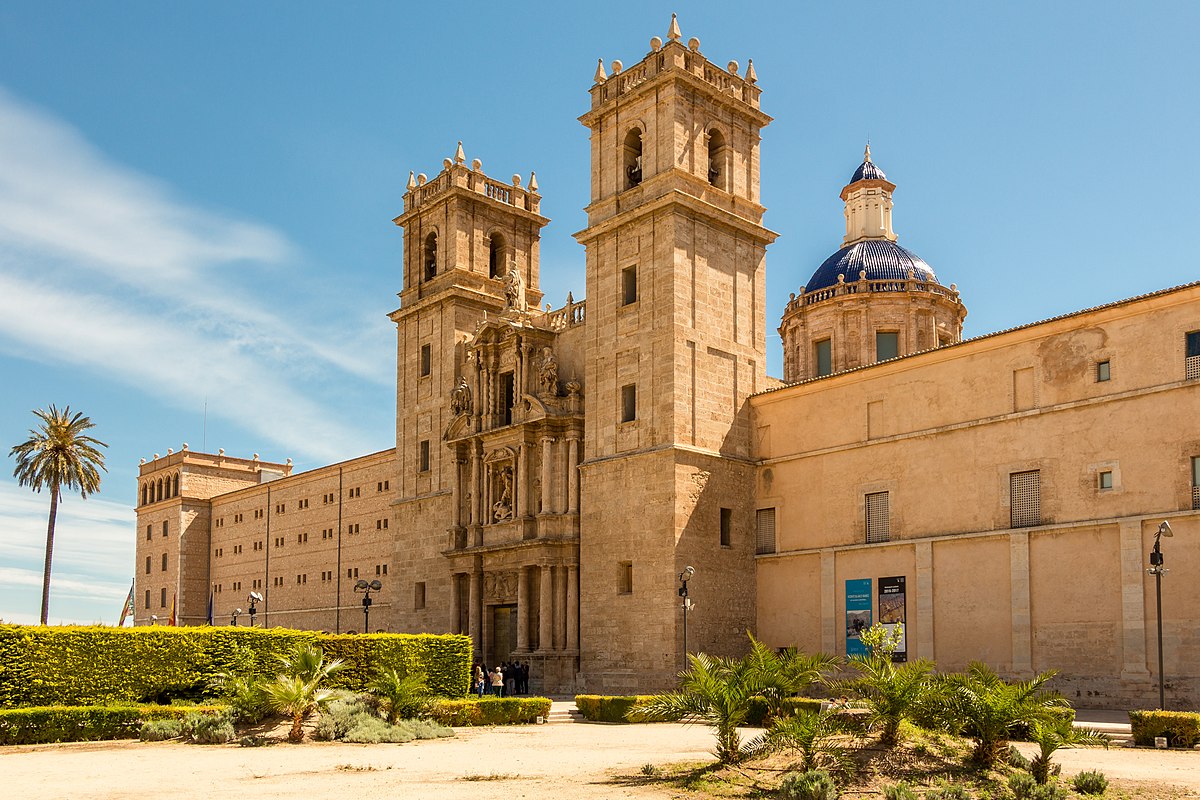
[{"x": 675, "y": 346}]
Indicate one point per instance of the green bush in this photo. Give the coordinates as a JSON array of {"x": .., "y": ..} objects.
[
  {"x": 1022, "y": 785},
  {"x": 1182, "y": 728},
  {"x": 607, "y": 708},
  {"x": 45, "y": 724},
  {"x": 489, "y": 711},
  {"x": 1017, "y": 759},
  {"x": 901, "y": 791},
  {"x": 352, "y": 720},
  {"x": 1048, "y": 791},
  {"x": 948, "y": 792},
  {"x": 1090, "y": 782},
  {"x": 208, "y": 728},
  {"x": 43, "y": 665},
  {"x": 813, "y": 785},
  {"x": 159, "y": 730},
  {"x": 757, "y": 715}
]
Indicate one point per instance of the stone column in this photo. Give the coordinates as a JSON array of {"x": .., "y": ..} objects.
[
  {"x": 560, "y": 608},
  {"x": 573, "y": 473},
  {"x": 523, "y": 609},
  {"x": 829, "y": 595},
  {"x": 924, "y": 561},
  {"x": 519, "y": 481},
  {"x": 456, "y": 488},
  {"x": 546, "y": 609},
  {"x": 1133, "y": 604},
  {"x": 1022, "y": 627},
  {"x": 547, "y": 475},
  {"x": 455, "y": 603},
  {"x": 476, "y": 483},
  {"x": 563, "y": 501},
  {"x": 573, "y": 607},
  {"x": 475, "y": 612}
]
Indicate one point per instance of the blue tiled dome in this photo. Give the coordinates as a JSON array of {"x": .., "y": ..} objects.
[
  {"x": 883, "y": 260},
  {"x": 867, "y": 171}
]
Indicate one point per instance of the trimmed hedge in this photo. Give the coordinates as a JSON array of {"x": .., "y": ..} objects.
[
  {"x": 44, "y": 666},
  {"x": 608, "y": 708},
  {"x": 46, "y": 724},
  {"x": 490, "y": 711},
  {"x": 757, "y": 717},
  {"x": 1182, "y": 728}
]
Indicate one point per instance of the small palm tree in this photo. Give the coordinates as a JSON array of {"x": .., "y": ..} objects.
[
  {"x": 786, "y": 673},
  {"x": 58, "y": 455},
  {"x": 1054, "y": 733},
  {"x": 809, "y": 733},
  {"x": 308, "y": 663},
  {"x": 713, "y": 690},
  {"x": 402, "y": 696},
  {"x": 297, "y": 698},
  {"x": 892, "y": 692}
]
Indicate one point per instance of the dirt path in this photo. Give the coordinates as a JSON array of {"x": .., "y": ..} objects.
[{"x": 543, "y": 762}]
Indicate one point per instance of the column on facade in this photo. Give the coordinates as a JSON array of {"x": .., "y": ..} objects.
[
  {"x": 572, "y": 475},
  {"x": 1133, "y": 602},
  {"x": 519, "y": 482},
  {"x": 474, "y": 611},
  {"x": 560, "y": 608},
  {"x": 546, "y": 609},
  {"x": 456, "y": 603},
  {"x": 456, "y": 488},
  {"x": 523, "y": 609},
  {"x": 476, "y": 482},
  {"x": 572, "y": 607},
  {"x": 1022, "y": 625},
  {"x": 562, "y": 498},
  {"x": 924, "y": 563},
  {"x": 547, "y": 475},
  {"x": 829, "y": 626}
]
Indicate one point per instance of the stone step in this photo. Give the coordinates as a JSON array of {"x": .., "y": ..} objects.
[{"x": 565, "y": 715}]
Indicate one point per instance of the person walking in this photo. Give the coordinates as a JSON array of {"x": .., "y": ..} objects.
[
  {"x": 480, "y": 683},
  {"x": 498, "y": 682}
]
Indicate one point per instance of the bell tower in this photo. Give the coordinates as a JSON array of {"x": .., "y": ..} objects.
[{"x": 675, "y": 344}]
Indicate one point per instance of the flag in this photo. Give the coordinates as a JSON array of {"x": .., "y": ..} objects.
[
  {"x": 210, "y": 608},
  {"x": 127, "y": 609},
  {"x": 171, "y": 621}
]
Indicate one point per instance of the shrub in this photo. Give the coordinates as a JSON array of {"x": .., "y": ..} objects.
[
  {"x": 45, "y": 724},
  {"x": 489, "y": 711},
  {"x": 760, "y": 708},
  {"x": 607, "y": 708},
  {"x": 948, "y": 792},
  {"x": 352, "y": 721},
  {"x": 901, "y": 791},
  {"x": 813, "y": 785},
  {"x": 1048, "y": 791},
  {"x": 208, "y": 728},
  {"x": 401, "y": 696},
  {"x": 1022, "y": 785},
  {"x": 1182, "y": 728},
  {"x": 159, "y": 730},
  {"x": 1090, "y": 782},
  {"x": 1017, "y": 759},
  {"x": 245, "y": 695}
]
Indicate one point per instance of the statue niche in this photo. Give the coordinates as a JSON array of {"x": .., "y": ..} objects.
[
  {"x": 548, "y": 373},
  {"x": 514, "y": 291},
  {"x": 502, "y": 509},
  {"x": 460, "y": 398}
]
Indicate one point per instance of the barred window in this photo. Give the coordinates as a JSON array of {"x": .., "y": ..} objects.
[
  {"x": 1192, "y": 361},
  {"x": 1025, "y": 498},
  {"x": 764, "y": 531},
  {"x": 1195, "y": 481},
  {"x": 879, "y": 525}
]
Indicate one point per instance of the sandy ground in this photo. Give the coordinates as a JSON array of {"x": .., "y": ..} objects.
[{"x": 542, "y": 762}]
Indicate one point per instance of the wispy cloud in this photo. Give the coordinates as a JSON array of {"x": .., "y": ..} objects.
[{"x": 103, "y": 268}]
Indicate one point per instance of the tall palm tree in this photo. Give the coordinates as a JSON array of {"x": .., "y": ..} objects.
[{"x": 61, "y": 456}]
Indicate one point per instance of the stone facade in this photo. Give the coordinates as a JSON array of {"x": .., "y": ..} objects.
[{"x": 555, "y": 471}]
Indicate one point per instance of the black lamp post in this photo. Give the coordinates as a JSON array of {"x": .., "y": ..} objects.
[
  {"x": 254, "y": 599},
  {"x": 1158, "y": 570},
  {"x": 366, "y": 589},
  {"x": 687, "y": 606},
  {"x": 237, "y": 612}
]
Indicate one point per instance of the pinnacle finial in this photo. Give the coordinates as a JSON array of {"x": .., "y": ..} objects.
[
  {"x": 673, "y": 33},
  {"x": 412, "y": 181},
  {"x": 533, "y": 186},
  {"x": 751, "y": 75},
  {"x": 601, "y": 76},
  {"x": 867, "y": 152},
  {"x": 459, "y": 156}
]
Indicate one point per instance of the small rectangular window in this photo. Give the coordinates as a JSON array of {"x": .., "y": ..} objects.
[
  {"x": 419, "y": 596},
  {"x": 1196, "y": 482},
  {"x": 823, "y": 354},
  {"x": 164, "y": 562},
  {"x": 423, "y": 456},
  {"x": 1192, "y": 361},
  {"x": 149, "y": 532},
  {"x": 166, "y": 526},
  {"x": 764, "y": 531},
  {"x": 1103, "y": 371},
  {"x": 147, "y": 565},
  {"x": 887, "y": 345},
  {"x": 426, "y": 359},
  {"x": 625, "y": 577},
  {"x": 1106, "y": 480},
  {"x": 879, "y": 522},
  {"x": 629, "y": 402},
  {"x": 628, "y": 285},
  {"x": 162, "y": 598},
  {"x": 1025, "y": 498},
  {"x": 147, "y": 598},
  {"x": 726, "y": 527}
]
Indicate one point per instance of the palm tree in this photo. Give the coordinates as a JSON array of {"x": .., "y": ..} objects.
[
  {"x": 297, "y": 698},
  {"x": 308, "y": 663},
  {"x": 401, "y": 696},
  {"x": 787, "y": 673},
  {"x": 59, "y": 455},
  {"x": 1053, "y": 733},
  {"x": 892, "y": 692},
  {"x": 809, "y": 733}
]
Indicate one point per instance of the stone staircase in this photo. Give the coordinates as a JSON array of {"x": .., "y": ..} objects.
[{"x": 564, "y": 711}]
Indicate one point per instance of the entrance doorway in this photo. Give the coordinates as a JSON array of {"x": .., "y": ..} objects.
[{"x": 504, "y": 634}]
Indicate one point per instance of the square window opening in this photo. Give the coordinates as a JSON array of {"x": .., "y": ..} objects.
[
  {"x": 726, "y": 527},
  {"x": 629, "y": 292},
  {"x": 1103, "y": 371},
  {"x": 629, "y": 402}
]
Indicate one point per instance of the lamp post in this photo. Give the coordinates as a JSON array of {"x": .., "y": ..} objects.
[
  {"x": 687, "y": 605},
  {"x": 237, "y": 612},
  {"x": 254, "y": 599},
  {"x": 1158, "y": 570},
  {"x": 366, "y": 589}
]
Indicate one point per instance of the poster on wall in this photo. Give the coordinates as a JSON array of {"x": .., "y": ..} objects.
[
  {"x": 858, "y": 614},
  {"x": 893, "y": 611}
]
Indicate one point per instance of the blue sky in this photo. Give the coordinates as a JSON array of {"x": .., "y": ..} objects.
[{"x": 196, "y": 198}]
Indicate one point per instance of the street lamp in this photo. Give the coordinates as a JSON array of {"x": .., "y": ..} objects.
[
  {"x": 1158, "y": 570},
  {"x": 237, "y": 612},
  {"x": 367, "y": 588},
  {"x": 254, "y": 599},
  {"x": 687, "y": 606}
]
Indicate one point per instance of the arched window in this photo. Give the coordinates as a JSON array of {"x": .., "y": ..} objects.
[
  {"x": 633, "y": 158},
  {"x": 175, "y": 485},
  {"x": 716, "y": 158},
  {"x": 145, "y": 494},
  {"x": 159, "y": 491},
  {"x": 495, "y": 256},
  {"x": 430, "y": 256}
]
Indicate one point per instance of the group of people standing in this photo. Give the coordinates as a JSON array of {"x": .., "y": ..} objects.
[{"x": 503, "y": 680}]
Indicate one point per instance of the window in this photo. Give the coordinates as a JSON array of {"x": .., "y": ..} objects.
[
  {"x": 162, "y": 598},
  {"x": 301, "y": 538},
  {"x": 237, "y": 548},
  {"x": 1195, "y": 481},
  {"x": 301, "y": 579},
  {"x": 507, "y": 397},
  {"x": 256, "y": 584},
  {"x": 629, "y": 402},
  {"x": 1103, "y": 371},
  {"x": 147, "y": 598},
  {"x": 165, "y": 527},
  {"x": 302, "y": 504},
  {"x": 1192, "y": 362},
  {"x": 419, "y": 596},
  {"x": 149, "y": 532},
  {"x": 726, "y": 526},
  {"x": 879, "y": 523},
  {"x": 625, "y": 577},
  {"x": 352, "y": 528},
  {"x": 1106, "y": 479},
  {"x": 258, "y": 513},
  {"x": 495, "y": 256},
  {"x": 147, "y": 565},
  {"x": 382, "y": 486},
  {"x": 237, "y": 518},
  {"x": 823, "y": 355},
  {"x": 277, "y": 580},
  {"x": 632, "y": 152},
  {"x": 237, "y": 586},
  {"x": 426, "y": 359},
  {"x": 764, "y": 531},
  {"x": 352, "y": 573},
  {"x": 355, "y": 492},
  {"x": 628, "y": 285},
  {"x": 280, "y": 508},
  {"x": 716, "y": 157},
  {"x": 279, "y": 541},
  {"x": 423, "y": 456},
  {"x": 164, "y": 562},
  {"x": 887, "y": 345},
  {"x": 1024, "y": 490},
  {"x": 430, "y": 256},
  {"x": 381, "y": 524},
  {"x": 220, "y": 522}
]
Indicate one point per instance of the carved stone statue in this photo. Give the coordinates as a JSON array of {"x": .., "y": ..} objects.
[
  {"x": 460, "y": 398},
  {"x": 514, "y": 290},
  {"x": 502, "y": 508},
  {"x": 548, "y": 374},
  {"x": 574, "y": 388}
]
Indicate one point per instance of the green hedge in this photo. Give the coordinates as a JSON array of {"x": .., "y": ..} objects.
[
  {"x": 1182, "y": 728},
  {"x": 758, "y": 708},
  {"x": 490, "y": 711},
  {"x": 43, "y": 666},
  {"x": 608, "y": 708},
  {"x": 45, "y": 724}
]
